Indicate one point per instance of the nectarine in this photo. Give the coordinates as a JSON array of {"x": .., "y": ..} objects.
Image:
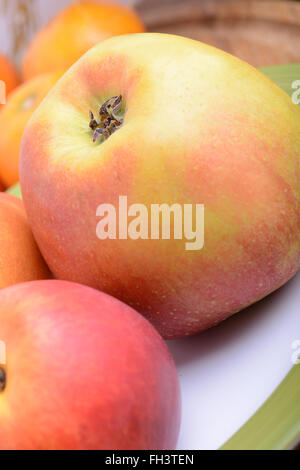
[
  {"x": 20, "y": 259},
  {"x": 83, "y": 371},
  {"x": 194, "y": 126}
]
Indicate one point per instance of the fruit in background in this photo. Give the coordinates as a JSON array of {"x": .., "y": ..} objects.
[
  {"x": 15, "y": 190},
  {"x": 13, "y": 119},
  {"x": 75, "y": 30},
  {"x": 200, "y": 127},
  {"x": 8, "y": 74},
  {"x": 1, "y": 187},
  {"x": 20, "y": 259},
  {"x": 84, "y": 371}
]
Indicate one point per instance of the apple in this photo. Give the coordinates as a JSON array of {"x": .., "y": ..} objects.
[
  {"x": 185, "y": 124},
  {"x": 83, "y": 371},
  {"x": 20, "y": 258}
]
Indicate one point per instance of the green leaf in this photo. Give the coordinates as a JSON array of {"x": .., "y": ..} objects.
[
  {"x": 276, "y": 425},
  {"x": 283, "y": 75},
  {"x": 15, "y": 190}
]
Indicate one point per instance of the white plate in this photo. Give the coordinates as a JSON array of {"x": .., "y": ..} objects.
[{"x": 228, "y": 372}]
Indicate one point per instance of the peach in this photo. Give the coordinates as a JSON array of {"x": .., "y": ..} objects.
[
  {"x": 20, "y": 259},
  {"x": 195, "y": 126},
  {"x": 83, "y": 372}
]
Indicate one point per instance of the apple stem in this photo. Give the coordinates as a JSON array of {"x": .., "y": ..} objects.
[
  {"x": 110, "y": 119},
  {"x": 2, "y": 379}
]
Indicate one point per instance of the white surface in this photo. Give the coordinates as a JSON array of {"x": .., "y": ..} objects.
[{"x": 228, "y": 372}]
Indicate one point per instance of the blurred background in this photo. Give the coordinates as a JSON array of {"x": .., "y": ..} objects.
[{"x": 261, "y": 32}]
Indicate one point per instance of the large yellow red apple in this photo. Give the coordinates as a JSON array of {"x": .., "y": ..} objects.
[
  {"x": 20, "y": 258},
  {"x": 194, "y": 126},
  {"x": 83, "y": 371}
]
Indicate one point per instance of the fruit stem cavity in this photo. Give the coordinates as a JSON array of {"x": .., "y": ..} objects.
[{"x": 110, "y": 119}]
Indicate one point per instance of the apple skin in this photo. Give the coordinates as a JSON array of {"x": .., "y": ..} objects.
[
  {"x": 201, "y": 126},
  {"x": 84, "y": 371},
  {"x": 20, "y": 258}
]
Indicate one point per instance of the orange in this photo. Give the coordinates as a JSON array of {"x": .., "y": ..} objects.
[
  {"x": 8, "y": 75},
  {"x": 75, "y": 30},
  {"x": 14, "y": 116},
  {"x": 20, "y": 258}
]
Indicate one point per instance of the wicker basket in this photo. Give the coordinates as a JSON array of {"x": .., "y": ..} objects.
[{"x": 260, "y": 32}]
